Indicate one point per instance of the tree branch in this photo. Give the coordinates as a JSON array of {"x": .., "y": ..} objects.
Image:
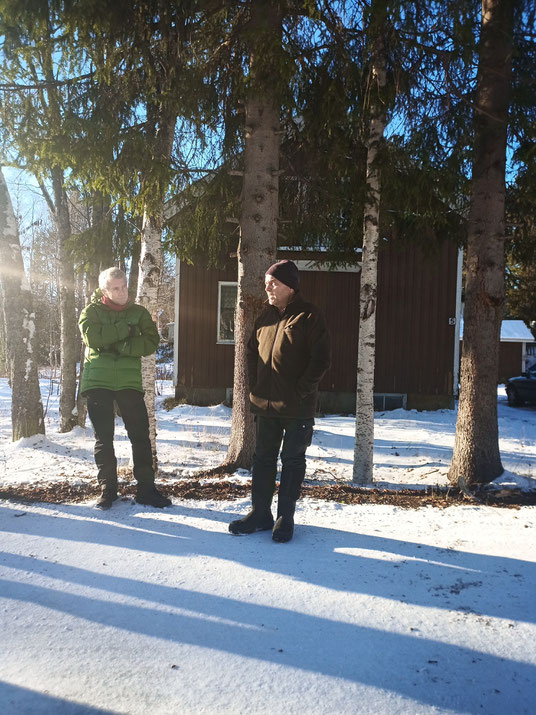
[
  {"x": 47, "y": 198},
  {"x": 14, "y": 87}
]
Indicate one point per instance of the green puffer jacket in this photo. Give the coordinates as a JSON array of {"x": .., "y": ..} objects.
[{"x": 116, "y": 340}]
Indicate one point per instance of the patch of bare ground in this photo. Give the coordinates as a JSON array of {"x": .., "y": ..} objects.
[{"x": 221, "y": 489}]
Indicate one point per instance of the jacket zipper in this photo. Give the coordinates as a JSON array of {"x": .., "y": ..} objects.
[{"x": 272, "y": 355}]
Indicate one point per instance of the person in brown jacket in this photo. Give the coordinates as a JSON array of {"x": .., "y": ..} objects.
[{"x": 288, "y": 354}]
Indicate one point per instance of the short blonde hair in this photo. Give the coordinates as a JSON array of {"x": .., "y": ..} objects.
[{"x": 108, "y": 275}]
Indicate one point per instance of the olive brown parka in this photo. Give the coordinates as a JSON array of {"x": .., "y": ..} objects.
[{"x": 288, "y": 354}]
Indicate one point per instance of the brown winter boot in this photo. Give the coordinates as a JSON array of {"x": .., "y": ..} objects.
[{"x": 107, "y": 498}]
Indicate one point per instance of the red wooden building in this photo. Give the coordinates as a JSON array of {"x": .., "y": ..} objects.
[{"x": 417, "y": 331}]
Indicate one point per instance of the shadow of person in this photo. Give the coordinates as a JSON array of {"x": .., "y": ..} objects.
[{"x": 398, "y": 570}]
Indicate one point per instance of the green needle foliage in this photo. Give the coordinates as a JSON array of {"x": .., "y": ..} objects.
[
  {"x": 116, "y": 68},
  {"x": 322, "y": 75}
]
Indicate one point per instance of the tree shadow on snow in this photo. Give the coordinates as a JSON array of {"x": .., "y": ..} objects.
[
  {"x": 316, "y": 644},
  {"x": 386, "y": 568},
  {"x": 16, "y": 699},
  {"x": 419, "y": 574}
]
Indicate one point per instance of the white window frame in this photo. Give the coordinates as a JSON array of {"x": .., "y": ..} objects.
[{"x": 219, "y": 341}]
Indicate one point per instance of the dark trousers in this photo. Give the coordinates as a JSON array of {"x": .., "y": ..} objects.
[
  {"x": 296, "y": 435},
  {"x": 100, "y": 408}
]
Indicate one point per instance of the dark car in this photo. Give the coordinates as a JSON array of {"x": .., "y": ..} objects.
[{"x": 523, "y": 388}]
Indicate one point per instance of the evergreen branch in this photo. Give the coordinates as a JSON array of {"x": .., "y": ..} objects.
[
  {"x": 44, "y": 84},
  {"x": 233, "y": 33}
]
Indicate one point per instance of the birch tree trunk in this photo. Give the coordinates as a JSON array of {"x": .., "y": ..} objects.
[
  {"x": 4, "y": 367},
  {"x": 81, "y": 403},
  {"x": 366, "y": 352},
  {"x": 258, "y": 229},
  {"x": 476, "y": 458},
  {"x": 150, "y": 268},
  {"x": 19, "y": 320}
]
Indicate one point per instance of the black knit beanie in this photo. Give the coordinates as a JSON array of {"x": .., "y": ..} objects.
[{"x": 286, "y": 272}]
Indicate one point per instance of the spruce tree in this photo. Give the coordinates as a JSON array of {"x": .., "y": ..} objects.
[
  {"x": 476, "y": 458},
  {"x": 35, "y": 115}
]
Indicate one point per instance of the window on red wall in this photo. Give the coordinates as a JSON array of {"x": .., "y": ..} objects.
[{"x": 226, "y": 311}]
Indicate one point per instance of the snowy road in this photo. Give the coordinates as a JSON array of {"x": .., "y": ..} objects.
[{"x": 371, "y": 609}]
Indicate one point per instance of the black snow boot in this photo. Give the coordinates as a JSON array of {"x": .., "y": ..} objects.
[
  {"x": 284, "y": 526},
  {"x": 257, "y": 519},
  {"x": 149, "y": 494},
  {"x": 107, "y": 498}
]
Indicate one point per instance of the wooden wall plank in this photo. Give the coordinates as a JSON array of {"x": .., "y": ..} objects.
[{"x": 415, "y": 343}]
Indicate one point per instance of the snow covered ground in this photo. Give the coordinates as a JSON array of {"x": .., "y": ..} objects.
[
  {"x": 370, "y": 609},
  {"x": 411, "y": 449}
]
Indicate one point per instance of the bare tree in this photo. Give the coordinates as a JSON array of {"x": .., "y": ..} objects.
[{"x": 19, "y": 319}]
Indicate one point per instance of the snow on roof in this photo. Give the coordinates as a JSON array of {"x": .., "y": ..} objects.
[
  {"x": 512, "y": 331},
  {"x": 515, "y": 330}
]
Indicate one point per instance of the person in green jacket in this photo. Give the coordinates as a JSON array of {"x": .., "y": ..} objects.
[
  {"x": 118, "y": 332},
  {"x": 288, "y": 354}
]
